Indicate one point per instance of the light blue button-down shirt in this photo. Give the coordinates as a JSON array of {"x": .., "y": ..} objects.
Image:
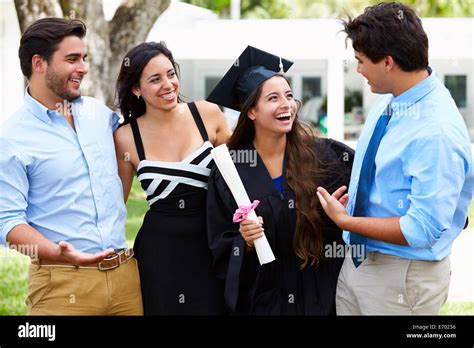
[
  {"x": 423, "y": 171},
  {"x": 61, "y": 182}
]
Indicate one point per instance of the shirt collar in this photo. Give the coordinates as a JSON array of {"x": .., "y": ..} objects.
[
  {"x": 39, "y": 110},
  {"x": 36, "y": 108},
  {"x": 414, "y": 94}
]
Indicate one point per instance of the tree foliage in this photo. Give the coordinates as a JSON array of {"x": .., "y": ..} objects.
[{"x": 264, "y": 9}]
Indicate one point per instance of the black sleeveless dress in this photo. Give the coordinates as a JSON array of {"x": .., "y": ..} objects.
[{"x": 174, "y": 259}]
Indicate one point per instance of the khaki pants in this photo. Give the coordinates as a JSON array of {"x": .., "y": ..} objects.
[
  {"x": 390, "y": 285},
  {"x": 56, "y": 290}
]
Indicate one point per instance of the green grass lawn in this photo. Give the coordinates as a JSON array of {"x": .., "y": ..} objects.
[
  {"x": 137, "y": 206},
  {"x": 14, "y": 266},
  {"x": 13, "y": 282}
]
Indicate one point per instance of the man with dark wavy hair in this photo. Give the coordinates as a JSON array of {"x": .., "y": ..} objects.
[
  {"x": 60, "y": 191},
  {"x": 412, "y": 179}
]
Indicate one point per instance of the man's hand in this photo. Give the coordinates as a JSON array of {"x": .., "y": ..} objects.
[
  {"x": 77, "y": 257},
  {"x": 334, "y": 205},
  {"x": 385, "y": 229}
]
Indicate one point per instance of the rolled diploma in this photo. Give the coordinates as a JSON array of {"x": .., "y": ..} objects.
[{"x": 227, "y": 168}]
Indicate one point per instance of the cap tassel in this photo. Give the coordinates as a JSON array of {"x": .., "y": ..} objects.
[{"x": 281, "y": 67}]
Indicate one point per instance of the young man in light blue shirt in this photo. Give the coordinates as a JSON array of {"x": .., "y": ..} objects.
[
  {"x": 412, "y": 178},
  {"x": 61, "y": 194}
]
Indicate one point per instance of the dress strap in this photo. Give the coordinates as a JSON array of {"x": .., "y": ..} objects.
[
  {"x": 137, "y": 138},
  {"x": 198, "y": 120}
]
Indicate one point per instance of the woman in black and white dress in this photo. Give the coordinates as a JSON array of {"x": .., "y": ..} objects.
[{"x": 167, "y": 144}]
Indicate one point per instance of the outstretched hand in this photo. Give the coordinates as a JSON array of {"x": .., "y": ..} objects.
[
  {"x": 70, "y": 254},
  {"x": 334, "y": 205}
]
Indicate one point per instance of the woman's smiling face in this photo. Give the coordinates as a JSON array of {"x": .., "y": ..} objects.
[
  {"x": 159, "y": 84},
  {"x": 276, "y": 108}
]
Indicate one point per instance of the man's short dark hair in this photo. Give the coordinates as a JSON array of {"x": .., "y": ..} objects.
[
  {"x": 390, "y": 29},
  {"x": 43, "y": 37}
]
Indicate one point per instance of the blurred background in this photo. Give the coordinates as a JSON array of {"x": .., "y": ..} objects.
[{"x": 205, "y": 38}]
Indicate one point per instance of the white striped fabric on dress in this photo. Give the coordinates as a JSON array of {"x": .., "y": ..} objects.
[{"x": 163, "y": 177}]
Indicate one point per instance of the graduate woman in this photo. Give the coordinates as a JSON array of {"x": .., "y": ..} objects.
[
  {"x": 290, "y": 165},
  {"x": 167, "y": 144}
]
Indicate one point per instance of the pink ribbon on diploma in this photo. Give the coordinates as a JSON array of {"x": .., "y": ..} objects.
[{"x": 242, "y": 213}]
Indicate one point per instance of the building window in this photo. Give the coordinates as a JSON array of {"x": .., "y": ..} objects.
[
  {"x": 311, "y": 88},
  {"x": 210, "y": 84},
  {"x": 313, "y": 104},
  {"x": 457, "y": 85}
]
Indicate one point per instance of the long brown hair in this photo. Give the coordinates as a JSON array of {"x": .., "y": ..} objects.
[{"x": 303, "y": 167}]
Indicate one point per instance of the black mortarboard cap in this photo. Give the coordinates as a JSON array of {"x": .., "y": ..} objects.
[{"x": 249, "y": 71}]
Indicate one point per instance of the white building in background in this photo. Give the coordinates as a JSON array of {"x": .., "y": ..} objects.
[
  {"x": 205, "y": 47},
  {"x": 12, "y": 82}
]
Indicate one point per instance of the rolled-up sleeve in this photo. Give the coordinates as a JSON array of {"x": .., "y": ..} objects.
[
  {"x": 437, "y": 172},
  {"x": 14, "y": 190},
  {"x": 115, "y": 121}
]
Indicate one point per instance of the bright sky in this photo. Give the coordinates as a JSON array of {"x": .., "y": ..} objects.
[{"x": 109, "y": 7}]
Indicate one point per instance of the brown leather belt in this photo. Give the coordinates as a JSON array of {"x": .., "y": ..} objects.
[{"x": 112, "y": 261}]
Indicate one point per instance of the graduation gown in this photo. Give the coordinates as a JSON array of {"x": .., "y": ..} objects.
[{"x": 280, "y": 287}]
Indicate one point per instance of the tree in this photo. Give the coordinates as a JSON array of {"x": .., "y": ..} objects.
[
  {"x": 250, "y": 9},
  {"x": 107, "y": 41},
  {"x": 264, "y": 9}
]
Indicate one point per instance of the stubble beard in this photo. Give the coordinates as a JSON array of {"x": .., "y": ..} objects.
[{"x": 56, "y": 85}]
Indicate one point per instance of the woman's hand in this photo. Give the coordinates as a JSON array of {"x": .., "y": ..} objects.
[{"x": 251, "y": 230}]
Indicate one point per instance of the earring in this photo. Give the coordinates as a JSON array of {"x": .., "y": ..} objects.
[{"x": 138, "y": 96}]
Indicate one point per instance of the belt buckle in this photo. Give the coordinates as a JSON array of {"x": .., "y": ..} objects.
[{"x": 117, "y": 255}]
